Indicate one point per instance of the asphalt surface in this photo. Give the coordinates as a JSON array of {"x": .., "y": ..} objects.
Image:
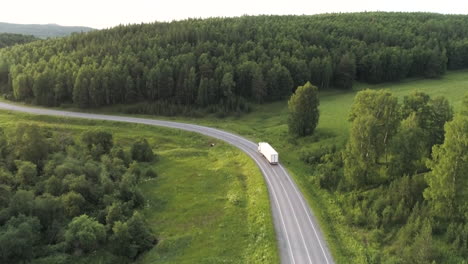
[{"x": 299, "y": 238}]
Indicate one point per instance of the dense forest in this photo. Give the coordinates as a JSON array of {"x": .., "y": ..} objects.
[
  {"x": 63, "y": 197},
  {"x": 221, "y": 64},
  {"x": 7, "y": 39},
  {"x": 401, "y": 177}
]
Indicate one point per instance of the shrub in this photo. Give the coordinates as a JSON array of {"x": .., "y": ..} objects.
[{"x": 141, "y": 151}]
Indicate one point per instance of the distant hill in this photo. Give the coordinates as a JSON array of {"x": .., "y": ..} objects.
[
  {"x": 41, "y": 31},
  {"x": 8, "y": 39}
]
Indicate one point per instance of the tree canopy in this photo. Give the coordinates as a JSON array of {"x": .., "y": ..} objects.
[
  {"x": 401, "y": 178},
  {"x": 61, "y": 197},
  {"x": 448, "y": 181},
  {"x": 9, "y": 39}
]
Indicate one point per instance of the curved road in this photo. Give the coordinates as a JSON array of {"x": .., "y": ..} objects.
[{"x": 299, "y": 238}]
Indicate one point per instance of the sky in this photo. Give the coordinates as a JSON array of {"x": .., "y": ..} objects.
[{"x": 108, "y": 13}]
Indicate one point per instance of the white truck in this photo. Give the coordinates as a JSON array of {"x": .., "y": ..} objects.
[{"x": 268, "y": 152}]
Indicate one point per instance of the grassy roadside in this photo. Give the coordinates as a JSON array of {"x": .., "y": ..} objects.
[{"x": 207, "y": 205}]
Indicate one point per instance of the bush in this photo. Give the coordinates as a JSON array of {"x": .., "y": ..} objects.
[
  {"x": 97, "y": 142},
  {"x": 84, "y": 234},
  {"x": 141, "y": 151},
  {"x": 150, "y": 174}
]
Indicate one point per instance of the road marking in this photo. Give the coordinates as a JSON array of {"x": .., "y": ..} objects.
[
  {"x": 241, "y": 141},
  {"x": 281, "y": 216},
  {"x": 307, "y": 213},
  {"x": 260, "y": 164},
  {"x": 297, "y": 193},
  {"x": 294, "y": 213}
]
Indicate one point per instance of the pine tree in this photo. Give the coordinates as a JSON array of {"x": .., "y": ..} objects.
[
  {"x": 202, "y": 96},
  {"x": 345, "y": 72},
  {"x": 80, "y": 89},
  {"x": 259, "y": 91}
]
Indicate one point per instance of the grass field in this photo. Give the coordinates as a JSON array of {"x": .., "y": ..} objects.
[{"x": 207, "y": 205}]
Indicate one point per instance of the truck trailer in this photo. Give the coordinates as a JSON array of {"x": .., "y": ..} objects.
[{"x": 268, "y": 152}]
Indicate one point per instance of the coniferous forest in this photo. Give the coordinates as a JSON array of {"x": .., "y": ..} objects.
[{"x": 221, "y": 64}]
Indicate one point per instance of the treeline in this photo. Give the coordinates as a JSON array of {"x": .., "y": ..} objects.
[
  {"x": 402, "y": 177},
  {"x": 63, "y": 198},
  {"x": 7, "y": 39},
  {"x": 222, "y": 62}
]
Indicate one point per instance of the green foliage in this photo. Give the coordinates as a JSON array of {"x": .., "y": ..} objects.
[
  {"x": 303, "y": 110},
  {"x": 375, "y": 116},
  {"x": 409, "y": 148},
  {"x": 361, "y": 155},
  {"x": 49, "y": 210},
  {"x": 415, "y": 240},
  {"x": 447, "y": 181},
  {"x": 115, "y": 212},
  {"x": 97, "y": 142},
  {"x": 442, "y": 113},
  {"x": 74, "y": 203},
  {"x": 259, "y": 88},
  {"x": 26, "y": 174},
  {"x": 422, "y": 250},
  {"x": 280, "y": 82},
  {"x": 328, "y": 164},
  {"x": 8, "y": 39},
  {"x": 84, "y": 234},
  {"x": 430, "y": 114},
  {"x": 22, "y": 202},
  {"x": 322, "y": 72},
  {"x": 18, "y": 238},
  {"x": 457, "y": 235},
  {"x": 122, "y": 241},
  {"x": 395, "y": 170},
  {"x": 30, "y": 144},
  {"x": 141, "y": 151},
  {"x": 345, "y": 72},
  {"x": 141, "y": 236},
  {"x": 68, "y": 181}
]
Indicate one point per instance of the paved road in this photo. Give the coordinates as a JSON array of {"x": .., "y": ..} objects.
[{"x": 299, "y": 238}]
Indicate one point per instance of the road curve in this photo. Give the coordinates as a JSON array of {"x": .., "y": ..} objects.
[{"x": 299, "y": 238}]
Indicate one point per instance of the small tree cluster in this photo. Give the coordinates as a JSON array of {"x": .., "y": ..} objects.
[{"x": 68, "y": 200}]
